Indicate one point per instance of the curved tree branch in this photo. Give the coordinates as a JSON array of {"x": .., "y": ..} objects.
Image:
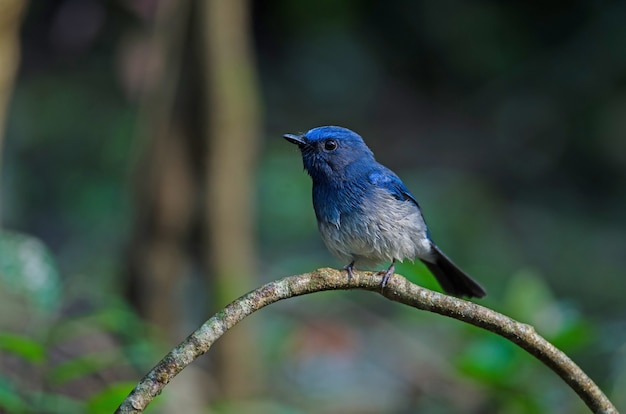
[{"x": 398, "y": 289}]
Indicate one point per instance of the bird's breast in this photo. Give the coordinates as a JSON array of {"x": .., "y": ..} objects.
[{"x": 373, "y": 228}]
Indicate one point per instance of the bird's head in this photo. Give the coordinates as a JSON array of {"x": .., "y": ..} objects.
[{"x": 328, "y": 150}]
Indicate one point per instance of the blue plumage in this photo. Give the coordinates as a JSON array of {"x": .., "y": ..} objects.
[{"x": 365, "y": 213}]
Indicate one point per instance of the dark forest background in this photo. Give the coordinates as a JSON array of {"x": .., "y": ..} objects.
[{"x": 144, "y": 184}]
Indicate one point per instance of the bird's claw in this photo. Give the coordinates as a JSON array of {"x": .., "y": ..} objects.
[
  {"x": 387, "y": 275},
  {"x": 349, "y": 268}
]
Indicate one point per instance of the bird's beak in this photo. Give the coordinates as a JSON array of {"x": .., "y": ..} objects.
[{"x": 295, "y": 139}]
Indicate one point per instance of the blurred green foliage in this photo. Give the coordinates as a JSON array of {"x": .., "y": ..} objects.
[
  {"x": 506, "y": 120},
  {"x": 22, "y": 346},
  {"x": 46, "y": 350}
]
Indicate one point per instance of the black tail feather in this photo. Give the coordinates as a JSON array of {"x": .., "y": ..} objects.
[{"x": 453, "y": 280}]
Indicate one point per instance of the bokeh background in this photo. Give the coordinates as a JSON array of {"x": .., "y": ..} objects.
[{"x": 145, "y": 184}]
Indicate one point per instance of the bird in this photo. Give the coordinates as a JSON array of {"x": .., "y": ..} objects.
[{"x": 365, "y": 213}]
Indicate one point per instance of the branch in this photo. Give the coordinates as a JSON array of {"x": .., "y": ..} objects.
[{"x": 398, "y": 289}]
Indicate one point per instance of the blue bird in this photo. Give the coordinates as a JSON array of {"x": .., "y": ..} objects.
[{"x": 365, "y": 213}]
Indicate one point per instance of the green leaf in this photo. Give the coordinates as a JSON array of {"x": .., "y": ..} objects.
[
  {"x": 118, "y": 318},
  {"x": 28, "y": 270},
  {"x": 530, "y": 300},
  {"x": 22, "y": 346},
  {"x": 81, "y": 366},
  {"x": 51, "y": 403},
  {"x": 574, "y": 334},
  {"x": 527, "y": 295},
  {"x": 107, "y": 400},
  {"x": 10, "y": 400},
  {"x": 490, "y": 360}
]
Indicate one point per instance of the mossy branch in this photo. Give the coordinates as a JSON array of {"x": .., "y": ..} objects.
[{"x": 398, "y": 289}]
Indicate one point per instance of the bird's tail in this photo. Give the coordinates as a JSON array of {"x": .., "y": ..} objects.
[{"x": 453, "y": 280}]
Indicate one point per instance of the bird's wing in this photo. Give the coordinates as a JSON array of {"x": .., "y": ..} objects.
[{"x": 386, "y": 179}]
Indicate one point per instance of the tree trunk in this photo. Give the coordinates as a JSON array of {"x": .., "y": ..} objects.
[
  {"x": 164, "y": 182},
  {"x": 232, "y": 134},
  {"x": 10, "y": 19}
]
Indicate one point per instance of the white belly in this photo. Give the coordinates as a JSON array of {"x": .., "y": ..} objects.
[{"x": 382, "y": 230}]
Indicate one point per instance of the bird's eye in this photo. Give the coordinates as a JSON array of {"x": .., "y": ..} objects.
[{"x": 330, "y": 145}]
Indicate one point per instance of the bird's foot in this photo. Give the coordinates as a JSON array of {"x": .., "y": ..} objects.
[
  {"x": 349, "y": 268},
  {"x": 387, "y": 274}
]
